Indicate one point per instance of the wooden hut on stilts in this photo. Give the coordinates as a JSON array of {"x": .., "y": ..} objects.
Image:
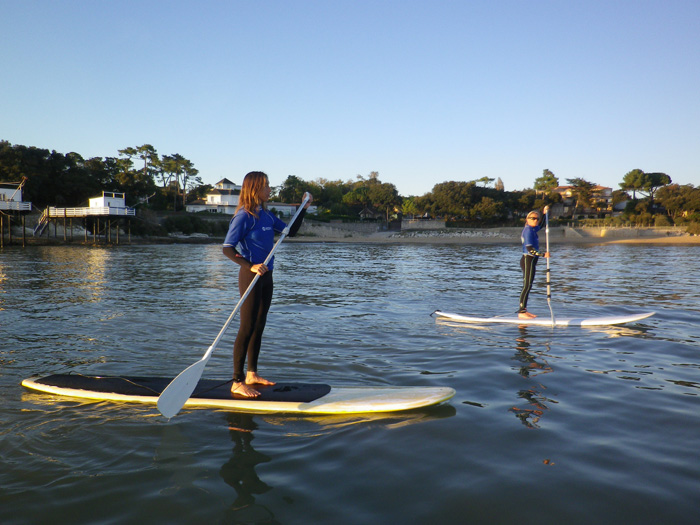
[
  {"x": 12, "y": 207},
  {"x": 102, "y": 217}
]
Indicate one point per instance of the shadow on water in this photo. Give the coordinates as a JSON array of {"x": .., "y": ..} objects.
[
  {"x": 239, "y": 472},
  {"x": 176, "y": 454},
  {"x": 532, "y": 364}
]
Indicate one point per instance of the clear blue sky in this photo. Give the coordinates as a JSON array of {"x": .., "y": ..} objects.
[{"x": 420, "y": 91}]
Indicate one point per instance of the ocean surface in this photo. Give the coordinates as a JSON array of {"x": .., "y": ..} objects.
[{"x": 548, "y": 426}]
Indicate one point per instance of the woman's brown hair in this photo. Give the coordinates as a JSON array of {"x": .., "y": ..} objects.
[{"x": 249, "y": 200}]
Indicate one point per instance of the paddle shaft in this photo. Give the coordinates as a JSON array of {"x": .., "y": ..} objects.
[
  {"x": 173, "y": 398},
  {"x": 549, "y": 291}
]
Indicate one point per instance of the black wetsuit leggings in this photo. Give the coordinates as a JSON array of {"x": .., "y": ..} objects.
[
  {"x": 528, "y": 264},
  {"x": 253, "y": 315}
]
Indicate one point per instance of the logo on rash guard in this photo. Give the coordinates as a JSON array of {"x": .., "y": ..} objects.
[{"x": 266, "y": 228}]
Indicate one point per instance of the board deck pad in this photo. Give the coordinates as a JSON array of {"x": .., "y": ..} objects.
[
  {"x": 206, "y": 388},
  {"x": 547, "y": 320},
  {"x": 312, "y": 398}
]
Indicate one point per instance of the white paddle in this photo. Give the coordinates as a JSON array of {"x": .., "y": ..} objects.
[
  {"x": 176, "y": 394},
  {"x": 549, "y": 292}
]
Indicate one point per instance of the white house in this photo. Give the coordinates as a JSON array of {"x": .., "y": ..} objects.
[
  {"x": 108, "y": 199},
  {"x": 11, "y": 197},
  {"x": 223, "y": 198}
]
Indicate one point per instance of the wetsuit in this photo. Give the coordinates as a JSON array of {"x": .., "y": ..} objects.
[
  {"x": 528, "y": 261},
  {"x": 252, "y": 238}
]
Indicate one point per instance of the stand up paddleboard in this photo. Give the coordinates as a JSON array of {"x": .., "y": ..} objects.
[
  {"x": 299, "y": 398},
  {"x": 547, "y": 321}
]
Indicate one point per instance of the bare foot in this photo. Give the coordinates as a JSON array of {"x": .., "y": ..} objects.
[
  {"x": 242, "y": 389},
  {"x": 526, "y": 315},
  {"x": 252, "y": 378}
]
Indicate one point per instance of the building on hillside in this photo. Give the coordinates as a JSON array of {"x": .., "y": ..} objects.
[
  {"x": 600, "y": 205},
  {"x": 368, "y": 213},
  {"x": 222, "y": 198}
]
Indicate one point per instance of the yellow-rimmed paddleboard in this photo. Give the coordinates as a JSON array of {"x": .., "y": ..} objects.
[{"x": 297, "y": 398}]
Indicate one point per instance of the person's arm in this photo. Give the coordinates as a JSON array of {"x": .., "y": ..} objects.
[
  {"x": 531, "y": 250},
  {"x": 529, "y": 236},
  {"x": 545, "y": 211},
  {"x": 232, "y": 253},
  {"x": 294, "y": 228}
]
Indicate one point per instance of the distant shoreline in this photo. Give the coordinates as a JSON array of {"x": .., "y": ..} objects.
[
  {"x": 384, "y": 239},
  {"x": 476, "y": 236}
]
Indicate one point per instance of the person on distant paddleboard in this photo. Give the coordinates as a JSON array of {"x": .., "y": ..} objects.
[
  {"x": 250, "y": 238},
  {"x": 531, "y": 253}
]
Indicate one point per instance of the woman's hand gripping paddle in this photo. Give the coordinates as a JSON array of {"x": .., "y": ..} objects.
[
  {"x": 176, "y": 394},
  {"x": 549, "y": 292}
]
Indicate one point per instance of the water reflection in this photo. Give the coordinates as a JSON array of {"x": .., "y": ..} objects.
[
  {"x": 3, "y": 278},
  {"x": 533, "y": 363},
  {"x": 239, "y": 473}
]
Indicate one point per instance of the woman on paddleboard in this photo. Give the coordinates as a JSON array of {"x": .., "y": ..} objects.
[
  {"x": 250, "y": 238},
  {"x": 531, "y": 253}
]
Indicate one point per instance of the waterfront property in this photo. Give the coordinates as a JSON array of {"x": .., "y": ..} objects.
[
  {"x": 110, "y": 206},
  {"x": 222, "y": 198},
  {"x": 11, "y": 197},
  {"x": 599, "y": 203},
  {"x": 11, "y": 204}
]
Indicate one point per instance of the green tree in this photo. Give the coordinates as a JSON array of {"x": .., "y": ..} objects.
[
  {"x": 148, "y": 155},
  {"x": 358, "y": 198},
  {"x": 654, "y": 181},
  {"x": 619, "y": 196},
  {"x": 384, "y": 197},
  {"x": 409, "y": 208},
  {"x": 633, "y": 181},
  {"x": 679, "y": 200},
  {"x": 329, "y": 193},
  {"x": 487, "y": 209},
  {"x": 484, "y": 180},
  {"x": 292, "y": 189},
  {"x": 582, "y": 190},
  {"x": 546, "y": 182},
  {"x": 135, "y": 184},
  {"x": 453, "y": 198},
  {"x": 182, "y": 172}
]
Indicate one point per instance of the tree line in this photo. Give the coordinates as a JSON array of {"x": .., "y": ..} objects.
[
  {"x": 69, "y": 180},
  {"x": 169, "y": 182}
]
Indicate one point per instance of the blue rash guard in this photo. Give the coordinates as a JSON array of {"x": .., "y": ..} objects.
[
  {"x": 254, "y": 237},
  {"x": 530, "y": 240}
]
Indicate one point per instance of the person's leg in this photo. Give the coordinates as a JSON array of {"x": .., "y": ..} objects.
[
  {"x": 528, "y": 266},
  {"x": 246, "y": 331},
  {"x": 266, "y": 290}
]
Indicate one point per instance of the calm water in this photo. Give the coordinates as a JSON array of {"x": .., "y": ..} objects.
[{"x": 569, "y": 425}]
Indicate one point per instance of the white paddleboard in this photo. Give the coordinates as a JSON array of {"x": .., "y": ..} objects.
[
  {"x": 299, "y": 398},
  {"x": 547, "y": 321}
]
